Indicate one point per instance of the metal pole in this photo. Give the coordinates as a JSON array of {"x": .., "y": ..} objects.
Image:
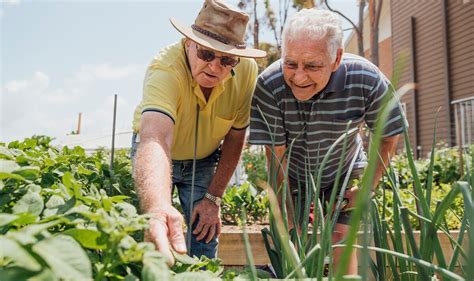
[
  {"x": 79, "y": 124},
  {"x": 113, "y": 135}
]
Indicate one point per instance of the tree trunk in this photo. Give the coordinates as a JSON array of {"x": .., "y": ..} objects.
[
  {"x": 374, "y": 16},
  {"x": 255, "y": 25},
  {"x": 360, "y": 28}
]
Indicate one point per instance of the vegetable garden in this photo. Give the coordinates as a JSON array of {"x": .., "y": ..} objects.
[{"x": 67, "y": 215}]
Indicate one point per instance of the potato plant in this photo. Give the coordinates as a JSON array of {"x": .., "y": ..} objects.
[{"x": 65, "y": 215}]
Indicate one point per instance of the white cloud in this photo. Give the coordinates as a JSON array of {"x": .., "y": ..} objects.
[
  {"x": 39, "y": 82},
  {"x": 39, "y": 106},
  {"x": 90, "y": 73}
]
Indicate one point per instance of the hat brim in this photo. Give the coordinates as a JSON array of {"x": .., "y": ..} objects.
[{"x": 213, "y": 44}]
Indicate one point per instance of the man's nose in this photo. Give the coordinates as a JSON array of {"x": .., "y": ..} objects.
[
  {"x": 300, "y": 75},
  {"x": 215, "y": 65}
]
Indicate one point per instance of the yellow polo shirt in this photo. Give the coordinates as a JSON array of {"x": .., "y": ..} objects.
[{"x": 169, "y": 88}]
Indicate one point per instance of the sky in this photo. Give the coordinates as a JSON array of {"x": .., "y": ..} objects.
[{"x": 60, "y": 58}]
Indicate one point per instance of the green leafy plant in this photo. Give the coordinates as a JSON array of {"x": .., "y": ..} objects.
[
  {"x": 244, "y": 196},
  {"x": 67, "y": 215}
]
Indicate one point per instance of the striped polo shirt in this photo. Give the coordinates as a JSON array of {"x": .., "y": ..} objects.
[{"x": 352, "y": 97}]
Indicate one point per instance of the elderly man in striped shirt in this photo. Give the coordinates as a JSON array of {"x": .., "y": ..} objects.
[{"x": 308, "y": 97}]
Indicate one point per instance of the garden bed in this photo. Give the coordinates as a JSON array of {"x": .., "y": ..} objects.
[{"x": 232, "y": 246}]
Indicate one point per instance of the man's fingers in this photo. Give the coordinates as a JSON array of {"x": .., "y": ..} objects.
[
  {"x": 198, "y": 228},
  {"x": 211, "y": 233},
  {"x": 203, "y": 233},
  {"x": 193, "y": 216},
  {"x": 176, "y": 234},
  {"x": 158, "y": 236}
]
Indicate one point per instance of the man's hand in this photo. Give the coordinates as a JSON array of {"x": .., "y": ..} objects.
[
  {"x": 350, "y": 195},
  {"x": 166, "y": 227},
  {"x": 209, "y": 220}
]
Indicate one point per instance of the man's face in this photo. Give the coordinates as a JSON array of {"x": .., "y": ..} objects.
[
  {"x": 208, "y": 74},
  {"x": 307, "y": 67}
]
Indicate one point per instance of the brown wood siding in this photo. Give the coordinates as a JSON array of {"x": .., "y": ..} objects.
[
  {"x": 461, "y": 41},
  {"x": 431, "y": 59},
  {"x": 402, "y": 56}
]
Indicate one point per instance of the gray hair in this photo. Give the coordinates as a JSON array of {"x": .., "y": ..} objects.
[{"x": 314, "y": 24}]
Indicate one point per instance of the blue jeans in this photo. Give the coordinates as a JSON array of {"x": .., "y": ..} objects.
[{"x": 182, "y": 179}]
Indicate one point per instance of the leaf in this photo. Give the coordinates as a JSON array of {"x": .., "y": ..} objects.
[
  {"x": 119, "y": 198},
  {"x": 83, "y": 171},
  {"x": 195, "y": 276},
  {"x": 184, "y": 258},
  {"x": 6, "y": 219},
  {"x": 24, "y": 219},
  {"x": 10, "y": 249},
  {"x": 5, "y": 152},
  {"x": 31, "y": 202},
  {"x": 155, "y": 268},
  {"x": 54, "y": 201},
  {"x": 15, "y": 274},
  {"x": 34, "y": 188},
  {"x": 127, "y": 210},
  {"x": 10, "y": 176},
  {"x": 67, "y": 206},
  {"x": 71, "y": 184},
  {"x": 65, "y": 257},
  {"x": 8, "y": 166},
  {"x": 28, "y": 172},
  {"x": 47, "y": 179},
  {"x": 88, "y": 238},
  {"x": 131, "y": 277},
  {"x": 34, "y": 229}
]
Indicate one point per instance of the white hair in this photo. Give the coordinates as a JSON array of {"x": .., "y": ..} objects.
[{"x": 314, "y": 24}]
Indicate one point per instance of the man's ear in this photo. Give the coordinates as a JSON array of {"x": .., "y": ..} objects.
[{"x": 340, "y": 51}]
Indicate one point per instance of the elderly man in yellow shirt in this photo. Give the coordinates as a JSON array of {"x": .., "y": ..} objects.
[{"x": 190, "y": 127}]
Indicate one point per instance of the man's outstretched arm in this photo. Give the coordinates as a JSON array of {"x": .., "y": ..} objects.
[{"x": 152, "y": 176}]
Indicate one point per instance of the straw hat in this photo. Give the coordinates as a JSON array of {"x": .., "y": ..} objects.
[{"x": 220, "y": 27}]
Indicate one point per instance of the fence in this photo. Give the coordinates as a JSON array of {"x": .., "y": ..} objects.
[{"x": 464, "y": 121}]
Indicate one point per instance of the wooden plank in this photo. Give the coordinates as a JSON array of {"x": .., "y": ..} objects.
[{"x": 232, "y": 246}]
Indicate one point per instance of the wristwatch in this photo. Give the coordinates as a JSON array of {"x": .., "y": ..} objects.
[{"x": 215, "y": 199}]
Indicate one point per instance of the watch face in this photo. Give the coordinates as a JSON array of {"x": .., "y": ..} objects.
[{"x": 218, "y": 201}]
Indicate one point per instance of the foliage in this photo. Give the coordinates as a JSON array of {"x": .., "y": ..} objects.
[
  {"x": 255, "y": 165},
  {"x": 244, "y": 196},
  {"x": 446, "y": 168},
  {"x": 385, "y": 202},
  {"x": 66, "y": 215},
  {"x": 445, "y": 173},
  {"x": 273, "y": 54}
]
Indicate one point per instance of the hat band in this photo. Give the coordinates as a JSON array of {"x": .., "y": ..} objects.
[{"x": 218, "y": 37}]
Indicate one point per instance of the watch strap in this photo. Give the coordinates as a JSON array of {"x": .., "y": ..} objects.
[{"x": 213, "y": 198}]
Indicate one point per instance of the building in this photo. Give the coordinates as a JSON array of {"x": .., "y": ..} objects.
[{"x": 433, "y": 41}]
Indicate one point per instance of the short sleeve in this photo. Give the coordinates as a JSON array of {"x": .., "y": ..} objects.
[
  {"x": 266, "y": 122},
  {"x": 161, "y": 90},
  {"x": 374, "y": 102}
]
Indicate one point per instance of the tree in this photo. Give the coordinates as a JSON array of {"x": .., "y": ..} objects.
[
  {"x": 374, "y": 15},
  {"x": 359, "y": 28},
  {"x": 374, "y": 9},
  {"x": 274, "y": 22}
]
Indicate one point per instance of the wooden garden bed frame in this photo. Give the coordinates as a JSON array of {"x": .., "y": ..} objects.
[{"x": 232, "y": 247}]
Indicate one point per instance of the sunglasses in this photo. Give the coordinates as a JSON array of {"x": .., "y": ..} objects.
[{"x": 208, "y": 56}]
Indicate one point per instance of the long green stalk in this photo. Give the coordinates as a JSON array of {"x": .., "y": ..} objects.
[
  {"x": 419, "y": 262},
  {"x": 363, "y": 195}
]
